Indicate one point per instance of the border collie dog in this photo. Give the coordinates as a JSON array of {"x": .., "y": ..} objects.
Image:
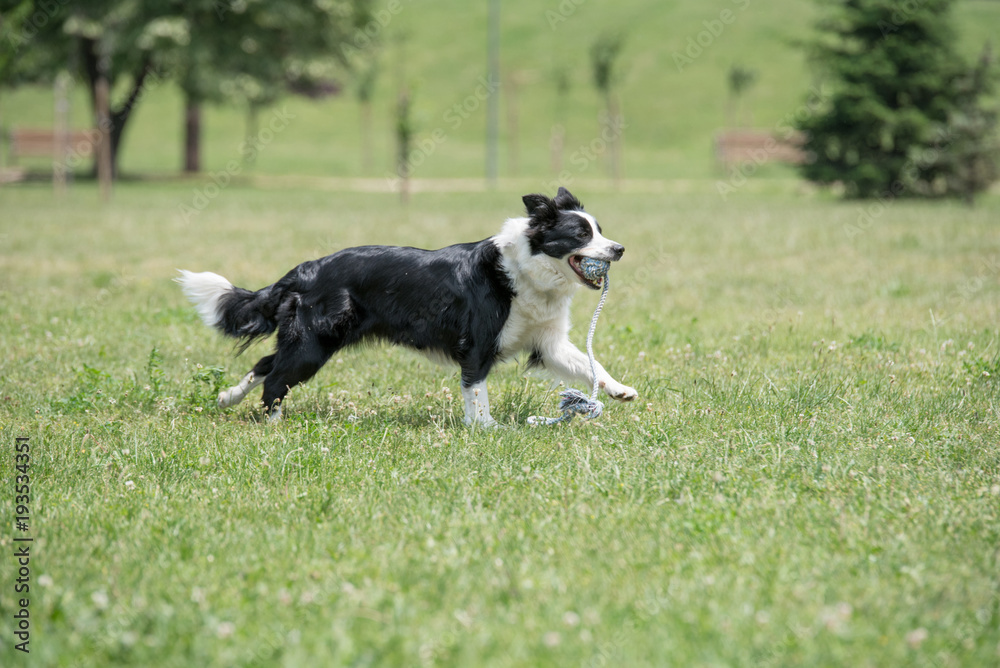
[{"x": 474, "y": 304}]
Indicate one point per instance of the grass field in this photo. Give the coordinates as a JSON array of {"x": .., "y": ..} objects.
[{"x": 810, "y": 476}]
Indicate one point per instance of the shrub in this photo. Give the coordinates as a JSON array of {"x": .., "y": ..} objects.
[{"x": 906, "y": 114}]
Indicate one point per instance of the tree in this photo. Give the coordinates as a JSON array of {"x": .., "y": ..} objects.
[
  {"x": 250, "y": 52},
  {"x": 113, "y": 41},
  {"x": 895, "y": 77},
  {"x": 215, "y": 49},
  {"x": 740, "y": 80},
  {"x": 13, "y": 22},
  {"x": 970, "y": 151}
]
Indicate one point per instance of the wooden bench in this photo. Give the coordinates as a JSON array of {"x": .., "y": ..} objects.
[
  {"x": 737, "y": 147},
  {"x": 25, "y": 142}
]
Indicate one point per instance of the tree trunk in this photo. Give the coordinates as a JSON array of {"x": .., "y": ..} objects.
[
  {"x": 90, "y": 62},
  {"x": 105, "y": 171},
  {"x": 192, "y": 135}
]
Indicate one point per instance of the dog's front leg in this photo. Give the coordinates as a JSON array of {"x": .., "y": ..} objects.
[
  {"x": 568, "y": 362},
  {"x": 477, "y": 405}
]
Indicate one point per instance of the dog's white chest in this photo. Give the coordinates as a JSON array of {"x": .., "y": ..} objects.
[{"x": 533, "y": 318}]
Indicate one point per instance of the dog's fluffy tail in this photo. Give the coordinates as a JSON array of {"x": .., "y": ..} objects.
[{"x": 234, "y": 311}]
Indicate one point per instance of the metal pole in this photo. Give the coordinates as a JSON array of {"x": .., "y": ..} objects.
[{"x": 493, "y": 102}]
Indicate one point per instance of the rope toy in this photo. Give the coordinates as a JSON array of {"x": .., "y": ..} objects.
[{"x": 574, "y": 402}]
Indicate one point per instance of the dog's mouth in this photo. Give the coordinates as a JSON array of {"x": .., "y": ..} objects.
[{"x": 592, "y": 283}]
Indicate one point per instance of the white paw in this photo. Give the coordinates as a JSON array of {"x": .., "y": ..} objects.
[
  {"x": 225, "y": 399},
  {"x": 488, "y": 423},
  {"x": 231, "y": 397},
  {"x": 616, "y": 390}
]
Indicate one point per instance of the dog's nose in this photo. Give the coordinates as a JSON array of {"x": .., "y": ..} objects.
[{"x": 618, "y": 250}]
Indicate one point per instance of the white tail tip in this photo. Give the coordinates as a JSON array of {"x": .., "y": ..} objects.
[{"x": 204, "y": 290}]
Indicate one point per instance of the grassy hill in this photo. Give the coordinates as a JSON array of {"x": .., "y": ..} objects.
[{"x": 671, "y": 112}]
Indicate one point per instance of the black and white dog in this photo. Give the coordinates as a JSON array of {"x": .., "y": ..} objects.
[{"x": 474, "y": 304}]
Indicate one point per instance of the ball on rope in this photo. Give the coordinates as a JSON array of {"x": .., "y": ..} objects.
[{"x": 592, "y": 269}]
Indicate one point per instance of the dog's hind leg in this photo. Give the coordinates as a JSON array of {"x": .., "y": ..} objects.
[
  {"x": 293, "y": 365},
  {"x": 237, "y": 393},
  {"x": 305, "y": 343}
]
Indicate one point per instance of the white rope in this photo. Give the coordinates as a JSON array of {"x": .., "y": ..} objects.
[{"x": 574, "y": 402}]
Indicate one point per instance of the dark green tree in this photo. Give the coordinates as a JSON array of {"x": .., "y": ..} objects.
[
  {"x": 235, "y": 50},
  {"x": 102, "y": 39},
  {"x": 251, "y": 52},
  {"x": 895, "y": 79},
  {"x": 969, "y": 154}
]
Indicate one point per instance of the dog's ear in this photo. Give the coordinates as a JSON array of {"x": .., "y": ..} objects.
[
  {"x": 540, "y": 208},
  {"x": 565, "y": 201}
]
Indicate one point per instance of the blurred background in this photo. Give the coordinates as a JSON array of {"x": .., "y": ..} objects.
[{"x": 632, "y": 94}]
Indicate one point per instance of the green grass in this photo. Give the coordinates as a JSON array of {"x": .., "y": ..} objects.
[
  {"x": 810, "y": 475},
  {"x": 671, "y": 114}
]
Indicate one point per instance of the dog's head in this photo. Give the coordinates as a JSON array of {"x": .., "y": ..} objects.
[{"x": 560, "y": 229}]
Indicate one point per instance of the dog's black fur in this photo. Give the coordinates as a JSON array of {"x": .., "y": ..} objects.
[{"x": 453, "y": 301}]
